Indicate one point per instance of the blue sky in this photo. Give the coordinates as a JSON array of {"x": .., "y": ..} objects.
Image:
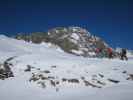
[{"x": 110, "y": 19}]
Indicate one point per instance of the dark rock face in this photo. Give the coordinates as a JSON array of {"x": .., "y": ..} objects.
[{"x": 5, "y": 70}]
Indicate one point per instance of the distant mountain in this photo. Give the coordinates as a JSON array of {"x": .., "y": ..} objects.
[{"x": 75, "y": 40}]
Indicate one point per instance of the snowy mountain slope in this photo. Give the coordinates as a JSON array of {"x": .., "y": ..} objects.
[
  {"x": 11, "y": 47},
  {"x": 44, "y": 71}
]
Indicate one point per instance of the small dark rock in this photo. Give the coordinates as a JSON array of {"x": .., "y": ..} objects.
[
  {"x": 40, "y": 75},
  {"x": 28, "y": 68},
  {"x": 57, "y": 82},
  {"x": 46, "y": 71},
  {"x": 9, "y": 59},
  {"x": 51, "y": 77},
  {"x": 99, "y": 82},
  {"x": 42, "y": 84},
  {"x": 53, "y": 66},
  {"x": 53, "y": 83},
  {"x": 124, "y": 72},
  {"x": 87, "y": 83},
  {"x": 73, "y": 80},
  {"x": 83, "y": 78},
  {"x": 64, "y": 79},
  {"x": 101, "y": 75},
  {"x": 34, "y": 78},
  {"x": 10, "y": 64},
  {"x": 38, "y": 69},
  {"x": 44, "y": 78},
  {"x": 114, "y": 81}
]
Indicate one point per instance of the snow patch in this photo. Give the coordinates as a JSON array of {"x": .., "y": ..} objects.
[
  {"x": 75, "y": 36},
  {"x": 78, "y": 52}
]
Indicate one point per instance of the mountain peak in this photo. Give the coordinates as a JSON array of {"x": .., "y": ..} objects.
[
  {"x": 76, "y": 39},
  {"x": 73, "y": 39}
]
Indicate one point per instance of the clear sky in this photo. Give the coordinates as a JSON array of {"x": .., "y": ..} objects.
[{"x": 110, "y": 19}]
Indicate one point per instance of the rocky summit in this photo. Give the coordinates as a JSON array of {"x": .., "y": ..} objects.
[{"x": 75, "y": 40}]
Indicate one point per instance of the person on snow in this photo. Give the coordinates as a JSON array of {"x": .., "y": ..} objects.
[
  {"x": 110, "y": 53},
  {"x": 98, "y": 52},
  {"x": 123, "y": 54}
]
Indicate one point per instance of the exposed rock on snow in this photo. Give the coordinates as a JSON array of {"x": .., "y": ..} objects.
[
  {"x": 5, "y": 70},
  {"x": 114, "y": 81}
]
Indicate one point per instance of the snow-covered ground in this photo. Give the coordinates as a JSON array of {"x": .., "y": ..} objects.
[{"x": 56, "y": 75}]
